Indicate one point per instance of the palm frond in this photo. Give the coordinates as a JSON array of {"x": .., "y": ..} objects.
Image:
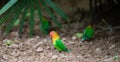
[
  {"x": 23, "y": 17},
  {"x": 17, "y": 13},
  {"x": 14, "y": 8},
  {"x": 31, "y": 18},
  {"x": 8, "y": 13},
  {"x": 58, "y": 10},
  {"x": 50, "y": 13},
  {"x": 7, "y": 6}
]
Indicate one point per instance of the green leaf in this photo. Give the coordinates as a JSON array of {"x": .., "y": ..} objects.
[
  {"x": 42, "y": 24},
  {"x": 51, "y": 14},
  {"x": 23, "y": 18},
  {"x": 116, "y": 57},
  {"x": 57, "y": 9},
  {"x": 10, "y": 25},
  {"x": 79, "y": 35},
  {"x": 31, "y": 18},
  {"x": 17, "y": 22},
  {"x": 7, "y": 6},
  {"x": 9, "y": 13},
  {"x": 14, "y": 8},
  {"x": 8, "y": 42}
]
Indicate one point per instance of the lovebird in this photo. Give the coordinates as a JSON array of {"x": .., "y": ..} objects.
[
  {"x": 57, "y": 42},
  {"x": 45, "y": 25},
  {"x": 88, "y": 33}
]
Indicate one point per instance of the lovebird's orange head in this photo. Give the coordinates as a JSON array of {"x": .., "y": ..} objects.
[
  {"x": 89, "y": 26},
  {"x": 54, "y": 34}
]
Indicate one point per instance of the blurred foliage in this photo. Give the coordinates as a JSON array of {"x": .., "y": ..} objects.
[{"x": 13, "y": 9}]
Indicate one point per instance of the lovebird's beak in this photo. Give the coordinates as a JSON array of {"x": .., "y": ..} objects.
[{"x": 50, "y": 34}]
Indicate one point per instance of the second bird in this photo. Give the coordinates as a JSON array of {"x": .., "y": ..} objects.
[{"x": 88, "y": 33}]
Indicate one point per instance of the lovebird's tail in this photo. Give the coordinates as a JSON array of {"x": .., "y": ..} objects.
[{"x": 68, "y": 51}]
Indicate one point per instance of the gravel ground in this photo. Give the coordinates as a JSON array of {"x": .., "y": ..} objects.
[{"x": 102, "y": 48}]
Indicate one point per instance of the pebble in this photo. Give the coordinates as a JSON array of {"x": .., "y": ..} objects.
[
  {"x": 71, "y": 43},
  {"x": 5, "y": 56},
  {"x": 5, "y": 40},
  {"x": 98, "y": 50},
  {"x": 15, "y": 34},
  {"x": 2, "y": 60},
  {"x": 30, "y": 40},
  {"x": 38, "y": 44},
  {"x": 74, "y": 37},
  {"x": 16, "y": 41},
  {"x": 108, "y": 42},
  {"x": 62, "y": 55},
  {"x": 108, "y": 60},
  {"x": 50, "y": 54},
  {"x": 39, "y": 50},
  {"x": 48, "y": 48},
  {"x": 112, "y": 47},
  {"x": 45, "y": 40},
  {"x": 14, "y": 46},
  {"x": 54, "y": 57},
  {"x": 79, "y": 56},
  {"x": 21, "y": 61},
  {"x": 15, "y": 54},
  {"x": 63, "y": 38},
  {"x": 37, "y": 37}
]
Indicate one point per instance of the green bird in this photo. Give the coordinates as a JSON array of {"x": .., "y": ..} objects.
[
  {"x": 57, "y": 42},
  {"x": 88, "y": 33},
  {"x": 45, "y": 26}
]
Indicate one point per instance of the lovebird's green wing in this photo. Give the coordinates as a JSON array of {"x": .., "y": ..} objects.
[
  {"x": 60, "y": 46},
  {"x": 88, "y": 33}
]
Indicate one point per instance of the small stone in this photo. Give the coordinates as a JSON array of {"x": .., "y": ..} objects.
[
  {"x": 48, "y": 48},
  {"x": 15, "y": 34},
  {"x": 45, "y": 40},
  {"x": 50, "y": 54},
  {"x": 108, "y": 42},
  {"x": 39, "y": 50},
  {"x": 2, "y": 60},
  {"x": 108, "y": 60},
  {"x": 21, "y": 60},
  {"x": 38, "y": 44},
  {"x": 98, "y": 50},
  {"x": 74, "y": 37},
  {"x": 21, "y": 44},
  {"x": 37, "y": 37},
  {"x": 30, "y": 40},
  {"x": 4, "y": 41},
  {"x": 71, "y": 43},
  {"x": 15, "y": 54},
  {"x": 97, "y": 59},
  {"x": 63, "y": 38},
  {"x": 16, "y": 41},
  {"x": 80, "y": 42},
  {"x": 14, "y": 46},
  {"x": 54, "y": 57},
  {"x": 112, "y": 46},
  {"x": 91, "y": 43},
  {"x": 5, "y": 56},
  {"x": 62, "y": 55},
  {"x": 79, "y": 56},
  {"x": 42, "y": 57}
]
